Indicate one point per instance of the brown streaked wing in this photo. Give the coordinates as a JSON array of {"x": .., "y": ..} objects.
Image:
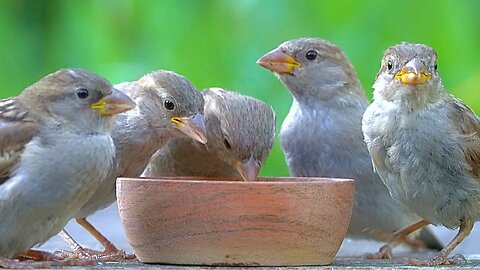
[
  {"x": 468, "y": 125},
  {"x": 17, "y": 128}
]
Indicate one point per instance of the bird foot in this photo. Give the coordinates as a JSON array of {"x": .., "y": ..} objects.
[
  {"x": 384, "y": 253},
  {"x": 112, "y": 254},
  {"x": 38, "y": 255},
  {"x": 16, "y": 264},
  {"x": 108, "y": 255},
  {"x": 439, "y": 259}
]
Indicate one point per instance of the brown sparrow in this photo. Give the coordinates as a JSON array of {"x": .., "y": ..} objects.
[
  {"x": 425, "y": 145},
  {"x": 322, "y": 136},
  {"x": 240, "y": 132},
  {"x": 55, "y": 151},
  {"x": 168, "y": 106}
]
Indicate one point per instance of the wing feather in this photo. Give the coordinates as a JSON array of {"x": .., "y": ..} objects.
[
  {"x": 468, "y": 125},
  {"x": 17, "y": 128}
]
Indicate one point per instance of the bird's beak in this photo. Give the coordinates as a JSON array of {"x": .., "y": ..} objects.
[
  {"x": 248, "y": 170},
  {"x": 193, "y": 127},
  {"x": 278, "y": 62},
  {"x": 414, "y": 72},
  {"x": 114, "y": 103}
]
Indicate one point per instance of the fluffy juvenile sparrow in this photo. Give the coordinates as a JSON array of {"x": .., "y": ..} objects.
[
  {"x": 55, "y": 150},
  {"x": 425, "y": 144},
  {"x": 168, "y": 106},
  {"x": 241, "y": 131},
  {"x": 322, "y": 136}
]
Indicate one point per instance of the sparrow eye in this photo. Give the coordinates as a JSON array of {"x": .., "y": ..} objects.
[
  {"x": 169, "y": 105},
  {"x": 227, "y": 144},
  {"x": 311, "y": 55},
  {"x": 390, "y": 65},
  {"x": 82, "y": 93},
  {"x": 435, "y": 67}
]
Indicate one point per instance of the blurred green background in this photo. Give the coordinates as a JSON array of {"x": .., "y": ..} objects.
[{"x": 216, "y": 43}]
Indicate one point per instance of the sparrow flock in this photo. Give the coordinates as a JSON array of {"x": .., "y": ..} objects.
[{"x": 66, "y": 139}]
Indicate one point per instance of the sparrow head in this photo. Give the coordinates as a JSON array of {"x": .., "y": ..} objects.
[
  {"x": 408, "y": 71},
  {"x": 76, "y": 97},
  {"x": 241, "y": 130},
  {"x": 313, "y": 67},
  {"x": 169, "y": 103}
]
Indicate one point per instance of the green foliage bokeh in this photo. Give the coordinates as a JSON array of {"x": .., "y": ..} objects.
[{"x": 216, "y": 43}]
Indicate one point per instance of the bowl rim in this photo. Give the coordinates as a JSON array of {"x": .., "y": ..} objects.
[{"x": 284, "y": 180}]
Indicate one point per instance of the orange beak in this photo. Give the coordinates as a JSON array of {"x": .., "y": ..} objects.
[
  {"x": 193, "y": 127},
  {"x": 279, "y": 62},
  {"x": 414, "y": 72},
  {"x": 114, "y": 103}
]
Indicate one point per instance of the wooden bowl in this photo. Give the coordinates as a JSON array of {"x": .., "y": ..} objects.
[{"x": 268, "y": 222}]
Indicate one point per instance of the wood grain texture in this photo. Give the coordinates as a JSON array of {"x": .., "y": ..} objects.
[{"x": 269, "y": 222}]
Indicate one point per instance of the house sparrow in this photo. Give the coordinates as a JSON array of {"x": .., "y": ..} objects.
[
  {"x": 322, "y": 136},
  {"x": 168, "y": 106},
  {"x": 425, "y": 145},
  {"x": 241, "y": 131},
  {"x": 55, "y": 150}
]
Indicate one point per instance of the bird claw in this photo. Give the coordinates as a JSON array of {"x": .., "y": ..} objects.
[
  {"x": 385, "y": 253},
  {"x": 438, "y": 259},
  {"x": 76, "y": 254},
  {"x": 115, "y": 255},
  {"x": 95, "y": 255}
]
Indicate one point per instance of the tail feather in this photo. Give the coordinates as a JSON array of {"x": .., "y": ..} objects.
[{"x": 427, "y": 237}]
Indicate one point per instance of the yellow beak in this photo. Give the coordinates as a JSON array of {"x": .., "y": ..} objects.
[
  {"x": 278, "y": 62},
  {"x": 248, "y": 170},
  {"x": 193, "y": 127},
  {"x": 414, "y": 72},
  {"x": 114, "y": 103}
]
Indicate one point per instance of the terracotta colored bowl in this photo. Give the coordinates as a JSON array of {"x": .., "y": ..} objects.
[{"x": 269, "y": 222}]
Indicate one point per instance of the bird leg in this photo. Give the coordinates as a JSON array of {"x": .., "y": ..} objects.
[
  {"x": 441, "y": 258},
  {"x": 77, "y": 250},
  {"x": 41, "y": 259},
  {"x": 110, "y": 250},
  {"x": 396, "y": 238},
  {"x": 15, "y": 264},
  {"x": 110, "y": 253},
  {"x": 413, "y": 243},
  {"x": 38, "y": 255}
]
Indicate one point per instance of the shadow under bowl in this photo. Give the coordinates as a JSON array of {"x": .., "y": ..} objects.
[{"x": 210, "y": 221}]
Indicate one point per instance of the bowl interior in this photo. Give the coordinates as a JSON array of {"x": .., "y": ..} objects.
[{"x": 295, "y": 180}]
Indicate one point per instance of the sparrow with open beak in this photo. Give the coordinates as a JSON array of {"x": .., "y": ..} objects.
[
  {"x": 168, "y": 106},
  {"x": 55, "y": 151},
  {"x": 322, "y": 136},
  {"x": 241, "y": 131},
  {"x": 425, "y": 145}
]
